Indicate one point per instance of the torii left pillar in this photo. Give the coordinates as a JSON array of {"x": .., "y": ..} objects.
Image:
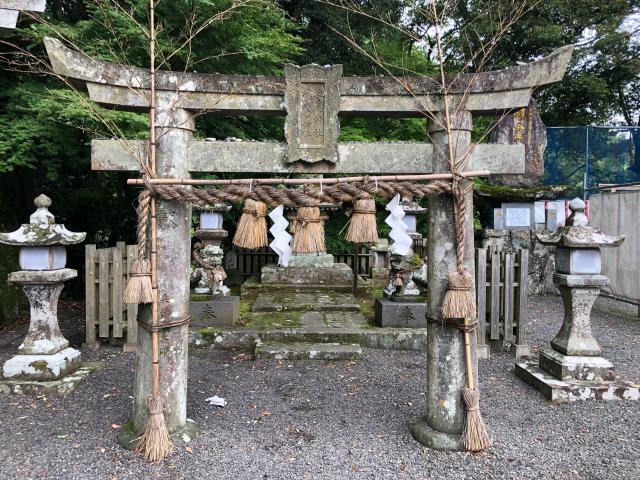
[{"x": 175, "y": 130}]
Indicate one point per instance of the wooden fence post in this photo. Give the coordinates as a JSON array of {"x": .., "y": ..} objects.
[
  {"x": 482, "y": 350},
  {"x": 521, "y": 305},
  {"x": 103, "y": 292},
  {"x": 495, "y": 295},
  {"x": 131, "y": 344},
  {"x": 90, "y": 295},
  {"x": 507, "y": 337},
  {"x": 117, "y": 290}
]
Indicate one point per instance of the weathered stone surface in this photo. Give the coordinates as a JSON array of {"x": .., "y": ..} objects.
[
  {"x": 218, "y": 312},
  {"x": 353, "y": 157},
  {"x": 312, "y": 301},
  {"x": 62, "y": 386},
  {"x": 337, "y": 275},
  {"x": 174, "y": 262},
  {"x": 524, "y": 127},
  {"x": 446, "y": 371},
  {"x": 435, "y": 439},
  {"x": 486, "y": 91},
  {"x": 42, "y": 276},
  {"x": 562, "y": 391},
  {"x": 312, "y": 100},
  {"x": 390, "y": 313},
  {"x": 44, "y": 335},
  {"x": 42, "y": 367},
  {"x": 315, "y": 327},
  {"x": 575, "y": 337},
  {"x": 10, "y": 9},
  {"x": 575, "y": 367},
  {"x": 311, "y": 260},
  {"x": 309, "y": 351}
]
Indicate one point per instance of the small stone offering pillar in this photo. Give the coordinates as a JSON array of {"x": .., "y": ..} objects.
[
  {"x": 572, "y": 369},
  {"x": 44, "y": 356}
]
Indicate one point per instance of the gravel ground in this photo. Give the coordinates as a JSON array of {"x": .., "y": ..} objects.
[{"x": 331, "y": 421}]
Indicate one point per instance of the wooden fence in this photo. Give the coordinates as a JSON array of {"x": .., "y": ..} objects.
[
  {"x": 106, "y": 276},
  {"x": 250, "y": 262},
  {"x": 501, "y": 295}
]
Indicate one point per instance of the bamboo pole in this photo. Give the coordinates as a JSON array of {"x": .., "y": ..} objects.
[
  {"x": 306, "y": 181},
  {"x": 154, "y": 443}
]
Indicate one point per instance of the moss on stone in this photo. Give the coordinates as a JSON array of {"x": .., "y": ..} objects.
[
  {"x": 377, "y": 293},
  {"x": 265, "y": 321},
  {"x": 128, "y": 427},
  {"x": 367, "y": 308},
  {"x": 41, "y": 366},
  {"x": 519, "y": 194},
  {"x": 209, "y": 334},
  {"x": 415, "y": 261}
]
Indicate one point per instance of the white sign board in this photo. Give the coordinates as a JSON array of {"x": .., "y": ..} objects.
[{"x": 518, "y": 217}]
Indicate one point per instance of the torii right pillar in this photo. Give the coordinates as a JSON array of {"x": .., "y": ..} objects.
[{"x": 441, "y": 427}]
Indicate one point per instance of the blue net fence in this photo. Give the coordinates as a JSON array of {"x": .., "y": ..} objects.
[{"x": 583, "y": 157}]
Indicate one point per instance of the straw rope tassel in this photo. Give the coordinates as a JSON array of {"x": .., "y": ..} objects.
[
  {"x": 308, "y": 234},
  {"x": 252, "y": 227},
  {"x": 362, "y": 226},
  {"x": 139, "y": 286}
]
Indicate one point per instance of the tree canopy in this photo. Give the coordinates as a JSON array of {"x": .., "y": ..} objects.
[{"x": 46, "y": 128}]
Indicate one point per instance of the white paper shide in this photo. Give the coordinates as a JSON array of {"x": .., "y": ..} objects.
[
  {"x": 401, "y": 241},
  {"x": 281, "y": 238}
]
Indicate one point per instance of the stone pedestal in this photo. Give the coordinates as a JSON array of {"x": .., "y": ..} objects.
[
  {"x": 308, "y": 268},
  {"x": 44, "y": 355},
  {"x": 311, "y": 260},
  {"x": 398, "y": 313},
  {"x": 218, "y": 311}
]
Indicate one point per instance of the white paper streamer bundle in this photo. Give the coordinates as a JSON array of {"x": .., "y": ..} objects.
[
  {"x": 281, "y": 238},
  {"x": 401, "y": 241}
]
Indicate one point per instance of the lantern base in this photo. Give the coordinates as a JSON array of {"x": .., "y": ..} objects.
[
  {"x": 42, "y": 367},
  {"x": 61, "y": 386},
  {"x": 571, "y": 390}
]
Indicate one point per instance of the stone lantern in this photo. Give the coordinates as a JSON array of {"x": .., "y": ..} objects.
[
  {"x": 212, "y": 305},
  {"x": 44, "y": 355},
  {"x": 572, "y": 369}
]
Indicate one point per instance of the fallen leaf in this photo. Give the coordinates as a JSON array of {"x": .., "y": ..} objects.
[
  {"x": 115, "y": 426},
  {"x": 266, "y": 413},
  {"x": 189, "y": 449}
]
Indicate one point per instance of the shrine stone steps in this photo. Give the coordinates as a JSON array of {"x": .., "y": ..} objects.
[
  {"x": 308, "y": 351},
  {"x": 305, "y": 302}
]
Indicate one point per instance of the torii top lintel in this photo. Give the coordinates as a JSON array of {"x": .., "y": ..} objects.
[
  {"x": 488, "y": 91},
  {"x": 312, "y": 97}
]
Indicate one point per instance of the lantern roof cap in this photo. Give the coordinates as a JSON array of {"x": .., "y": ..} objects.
[
  {"x": 42, "y": 229},
  {"x": 577, "y": 233}
]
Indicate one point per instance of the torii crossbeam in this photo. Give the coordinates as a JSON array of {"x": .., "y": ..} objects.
[{"x": 312, "y": 98}]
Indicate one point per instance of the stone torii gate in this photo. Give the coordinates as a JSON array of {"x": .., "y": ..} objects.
[{"x": 312, "y": 98}]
